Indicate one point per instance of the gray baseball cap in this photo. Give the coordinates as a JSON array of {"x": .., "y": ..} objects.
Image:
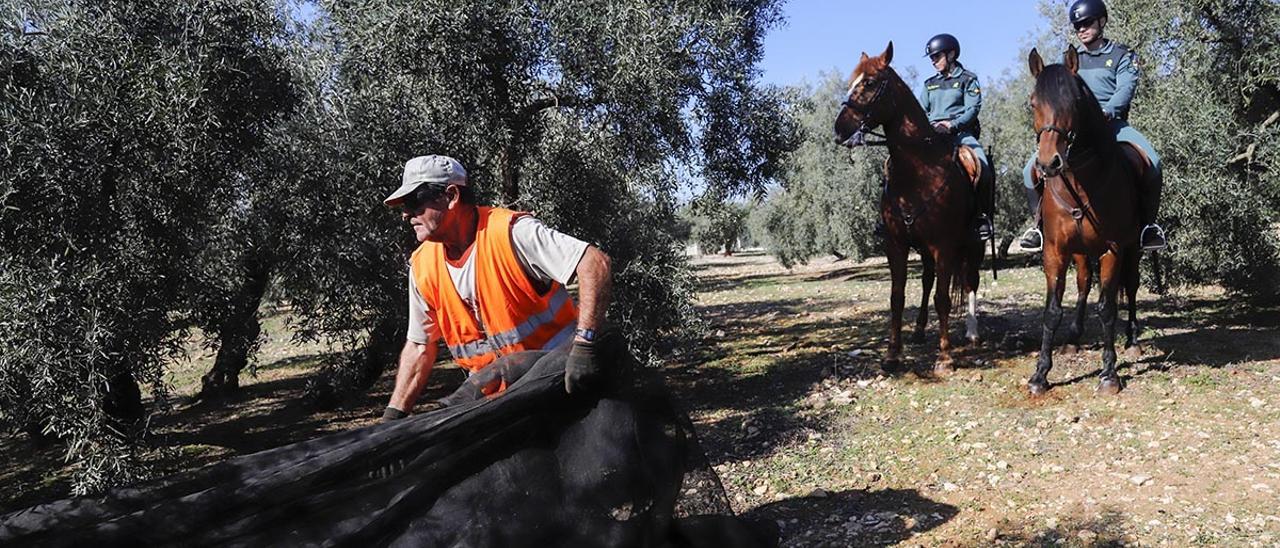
[{"x": 427, "y": 169}]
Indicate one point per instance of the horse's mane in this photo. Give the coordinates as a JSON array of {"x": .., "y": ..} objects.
[
  {"x": 912, "y": 108},
  {"x": 1066, "y": 93}
]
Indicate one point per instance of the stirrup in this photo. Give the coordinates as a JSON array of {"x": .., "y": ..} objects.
[
  {"x": 984, "y": 229},
  {"x": 1026, "y": 236},
  {"x": 1158, "y": 240}
]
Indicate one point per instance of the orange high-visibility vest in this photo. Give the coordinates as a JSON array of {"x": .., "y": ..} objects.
[{"x": 514, "y": 316}]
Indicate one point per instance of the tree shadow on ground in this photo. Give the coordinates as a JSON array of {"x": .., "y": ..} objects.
[
  {"x": 854, "y": 517},
  {"x": 1105, "y": 527},
  {"x": 271, "y": 414}
]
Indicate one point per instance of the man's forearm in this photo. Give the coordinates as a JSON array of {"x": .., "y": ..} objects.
[
  {"x": 595, "y": 284},
  {"x": 416, "y": 361}
]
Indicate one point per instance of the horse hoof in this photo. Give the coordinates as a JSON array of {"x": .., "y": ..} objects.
[
  {"x": 1037, "y": 389},
  {"x": 1070, "y": 349},
  {"x": 1109, "y": 387},
  {"x": 975, "y": 340},
  {"x": 891, "y": 365},
  {"x": 1133, "y": 353},
  {"x": 943, "y": 369}
]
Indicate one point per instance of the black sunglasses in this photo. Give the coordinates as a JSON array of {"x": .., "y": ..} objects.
[
  {"x": 1084, "y": 23},
  {"x": 420, "y": 197}
]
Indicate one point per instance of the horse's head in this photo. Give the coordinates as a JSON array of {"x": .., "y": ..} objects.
[
  {"x": 868, "y": 102},
  {"x": 1056, "y": 105}
]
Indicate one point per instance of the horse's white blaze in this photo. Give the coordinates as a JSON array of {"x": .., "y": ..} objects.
[
  {"x": 857, "y": 79},
  {"x": 971, "y": 320}
]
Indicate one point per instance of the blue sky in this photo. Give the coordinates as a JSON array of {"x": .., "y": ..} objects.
[{"x": 821, "y": 35}]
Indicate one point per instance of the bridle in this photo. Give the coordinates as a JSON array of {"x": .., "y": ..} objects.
[
  {"x": 859, "y": 136},
  {"x": 1070, "y": 136},
  {"x": 906, "y": 212},
  {"x": 1082, "y": 210}
]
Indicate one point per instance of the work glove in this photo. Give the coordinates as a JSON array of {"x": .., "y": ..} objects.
[{"x": 581, "y": 371}]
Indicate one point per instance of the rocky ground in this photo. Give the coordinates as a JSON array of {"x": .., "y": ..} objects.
[{"x": 806, "y": 428}]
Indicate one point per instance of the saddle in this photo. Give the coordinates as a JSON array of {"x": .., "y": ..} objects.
[
  {"x": 1137, "y": 159},
  {"x": 968, "y": 160}
]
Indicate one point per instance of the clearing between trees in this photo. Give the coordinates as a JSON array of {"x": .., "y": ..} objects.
[{"x": 805, "y": 428}]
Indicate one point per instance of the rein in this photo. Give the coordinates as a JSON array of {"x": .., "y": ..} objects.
[
  {"x": 903, "y": 210},
  {"x": 1083, "y": 210},
  {"x": 859, "y": 136}
]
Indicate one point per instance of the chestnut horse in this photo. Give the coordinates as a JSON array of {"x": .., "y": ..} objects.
[
  {"x": 1089, "y": 208},
  {"x": 928, "y": 203}
]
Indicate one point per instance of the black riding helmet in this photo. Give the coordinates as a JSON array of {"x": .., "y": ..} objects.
[
  {"x": 942, "y": 42},
  {"x": 1086, "y": 9}
]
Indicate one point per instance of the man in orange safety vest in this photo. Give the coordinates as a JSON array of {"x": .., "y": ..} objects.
[{"x": 490, "y": 281}]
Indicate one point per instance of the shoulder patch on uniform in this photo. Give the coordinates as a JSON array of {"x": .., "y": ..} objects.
[
  {"x": 1110, "y": 63},
  {"x": 976, "y": 90},
  {"x": 955, "y": 85},
  {"x": 932, "y": 87}
]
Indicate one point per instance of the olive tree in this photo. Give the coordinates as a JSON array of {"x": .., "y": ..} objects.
[
  {"x": 124, "y": 128},
  {"x": 591, "y": 115}
]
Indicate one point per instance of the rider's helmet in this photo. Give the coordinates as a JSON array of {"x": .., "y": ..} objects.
[
  {"x": 942, "y": 42},
  {"x": 1086, "y": 9}
]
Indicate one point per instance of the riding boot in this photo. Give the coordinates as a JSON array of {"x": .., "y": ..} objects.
[
  {"x": 984, "y": 227},
  {"x": 1032, "y": 239},
  {"x": 1152, "y": 237}
]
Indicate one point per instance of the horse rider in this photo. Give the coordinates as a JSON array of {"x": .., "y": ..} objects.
[
  {"x": 1110, "y": 69},
  {"x": 952, "y": 99},
  {"x": 490, "y": 281}
]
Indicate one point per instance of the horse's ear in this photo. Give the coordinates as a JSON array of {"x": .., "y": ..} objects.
[
  {"x": 1035, "y": 62},
  {"x": 864, "y": 58},
  {"x": 887, "y": 56},
  {"x": 1071, "y": 58}
]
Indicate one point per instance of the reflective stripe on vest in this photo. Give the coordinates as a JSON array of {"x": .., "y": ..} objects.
[
  {"x": 510, "y": 315},
  {"x": 499, "y": 341}
]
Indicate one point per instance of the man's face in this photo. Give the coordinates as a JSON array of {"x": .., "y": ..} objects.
[
  {"x": 425, "y": 214},
  {"x": 1088, "y": 30}
]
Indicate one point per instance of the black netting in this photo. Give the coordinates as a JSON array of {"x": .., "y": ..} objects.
[{"x": 532, "y": 467}]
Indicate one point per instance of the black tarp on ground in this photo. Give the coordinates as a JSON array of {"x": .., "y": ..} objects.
[{"x": 533, "y": 467}]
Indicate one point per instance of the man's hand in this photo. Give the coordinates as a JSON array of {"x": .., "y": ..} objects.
[
  {"x": 581, "y": 372},
  {"x": 942, "y": 127}
]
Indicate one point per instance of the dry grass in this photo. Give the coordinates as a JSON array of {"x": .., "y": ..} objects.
[{"x": 806, "y": 428}]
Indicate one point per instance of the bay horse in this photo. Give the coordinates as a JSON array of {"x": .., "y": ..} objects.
[
  {"x": 1089, "y": 207},
  {"x": 928, "y": 202}
]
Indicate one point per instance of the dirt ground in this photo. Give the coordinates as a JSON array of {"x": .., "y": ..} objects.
[{"x": 807, "y": 430}]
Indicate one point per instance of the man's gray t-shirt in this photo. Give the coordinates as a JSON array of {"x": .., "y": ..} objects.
[{"x": 546, "y": 255}]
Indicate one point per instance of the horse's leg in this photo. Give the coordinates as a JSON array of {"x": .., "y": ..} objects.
[
  {"x": 926, "y": 285},
  {"x": 897, "y": 255},
  {"x": 1110, "y": 277},
  {"x": 1055, "y": 275},
  {"x": 1076, "y": 329},
  {"x": 971, "y": 279},
  {"x": 1132, "y": 277},
  {"x": 942, "y": 304}
]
